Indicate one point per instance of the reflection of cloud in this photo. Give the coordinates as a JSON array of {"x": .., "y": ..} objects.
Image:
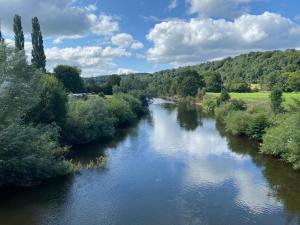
[{"x": 209, "y": 161}]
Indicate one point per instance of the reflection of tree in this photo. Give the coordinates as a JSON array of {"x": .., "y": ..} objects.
[
  {"x": 26, "y": 205},
  {"x": 283, "y": 180},
  {"x": 188, "y": 116},
  {"x": 85, "y": 153}
]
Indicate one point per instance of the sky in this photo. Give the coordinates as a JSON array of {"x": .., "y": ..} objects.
[{"x": 114, "y": 36}]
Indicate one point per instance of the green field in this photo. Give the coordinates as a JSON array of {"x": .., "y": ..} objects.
[{"x": 260, "y": 96}]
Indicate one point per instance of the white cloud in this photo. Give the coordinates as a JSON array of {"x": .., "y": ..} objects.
[
  {"x": 198, "y": 40},
  {"x": 58, "y": 18},
  {"x": 172, "y": 4},
  {"x": 103, "y": 25},
  {"x": 92, "y": 60},
  {"x": 125, "y": 40},
  {"x": 122, "y": 40},
  {"x": 137, "y": 45},
  {"x": 220, "y": 8},
  {"x": 125, "y": 71}
]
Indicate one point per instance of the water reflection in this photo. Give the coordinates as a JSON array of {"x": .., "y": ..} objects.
[
  {"x": 209, "y": 161},
  {"x": 173, "y": 167},
  {"x": 188, "y": 116}
]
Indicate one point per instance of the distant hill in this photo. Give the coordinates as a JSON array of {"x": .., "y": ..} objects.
[{"x": 254, "y": 67}]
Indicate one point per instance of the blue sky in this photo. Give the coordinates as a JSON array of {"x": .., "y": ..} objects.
[{"x": 114, "y": 36}]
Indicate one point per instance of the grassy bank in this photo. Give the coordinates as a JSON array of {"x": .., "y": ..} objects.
[
  {"x": 257, "y": 116},
  {"x": 259, "y": 97}
]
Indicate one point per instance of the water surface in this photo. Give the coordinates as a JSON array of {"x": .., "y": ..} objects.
[{"x": 173, "y": 167}]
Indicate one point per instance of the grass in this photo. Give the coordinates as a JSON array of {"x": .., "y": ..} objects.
[{"x": 260, "y": 97}]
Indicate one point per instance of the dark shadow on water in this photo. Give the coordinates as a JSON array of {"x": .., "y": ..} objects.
[{"x": 189, "y": 116}]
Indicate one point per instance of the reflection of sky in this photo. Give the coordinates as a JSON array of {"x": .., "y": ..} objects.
[{"x": 209, "y": 161}]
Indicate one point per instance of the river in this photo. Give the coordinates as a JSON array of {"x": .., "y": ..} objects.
[{"x": 173, "y": 167}]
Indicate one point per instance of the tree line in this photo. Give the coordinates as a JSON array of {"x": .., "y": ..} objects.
[{"x": 39, "y": 120}]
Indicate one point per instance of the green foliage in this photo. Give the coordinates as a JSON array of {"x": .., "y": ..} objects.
[
  {"x": 135, "y": 104},
  {"x": 88, "y": 120},
  {"x": 283, "y": 139},
  {"x": 52, "y": 105},
  {"x": 19, "y": 35},
  {"x": 70, "y": 77},
  {"x": 213, "y": 81},
  {"x": 191, "y": 81},
  {"x": 293, "y": 82},
  {"x": 244, "y": 123},
  {"x": 233, "y": 105},
  {"x": 276, "y": 100},
  {"x": 38, "y": 55},
  {"x": 30, "y": 154},
  {"x": 239, "y": 87},
  {"x": 224, "y": 97},
  {"x": 120, "y": 110},
  {"x": 237, "y": 122}
]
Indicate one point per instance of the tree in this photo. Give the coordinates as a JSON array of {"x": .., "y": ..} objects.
[
  {"x": 38, "y": 54},
  {"x": 70, "y": 77},
  {"x": 52, "y": 105},
  {"x": 224, "y": 97},
  {"x": 276, "y": 100},
  {"x": 293, "y": 82},
  {"x": 19, "y": 35},
  {"x": 1, "y": 37},
  {"x": 213, "y": 82},
  {"x": 190, "y": 83},
  {"x": 113, "y": 80}
]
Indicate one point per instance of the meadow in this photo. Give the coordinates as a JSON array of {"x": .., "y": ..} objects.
[{"x": 260, "y": 97}]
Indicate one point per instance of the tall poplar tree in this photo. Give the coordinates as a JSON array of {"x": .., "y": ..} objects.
[
  {"x": 19, "y": 35},
  {"x": 38, "y": 54}
]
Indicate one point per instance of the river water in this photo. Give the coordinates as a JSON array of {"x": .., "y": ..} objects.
[{"x": 173, "y": 167}]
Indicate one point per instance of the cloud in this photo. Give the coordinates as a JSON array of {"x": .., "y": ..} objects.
[
  {"x": 122, "y": 40},
  {"x": 58, "y": 18},
  {"x": 122, "y": 71},
  {"x": 93, "y": 60},
  {"x": 172, "y": 4},
  {"x": 199, "y": 40},
  {"x": 103, "y": 25},
  {"x": 219, "y": 8},
  {"x": 137, "y": 45},
  {"x": 125, "y": 40}
]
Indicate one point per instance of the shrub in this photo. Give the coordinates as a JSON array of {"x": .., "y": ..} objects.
[
  {"x": 233, "y": 105},
  {"x": 88, "y": 120},
  {"x": 240, "y": 87},
  {"x": 237, "y": 122},
  {"x": 283, "y": 139},
  {"x": 276, "y": 100},
  {"x": 30, "y": 154},
  {"x": 121, "y": 110},
  {"x": 224, "y": 97},
  {"x": 257, "y": 125},
  {"x": 134, "y": 103}
]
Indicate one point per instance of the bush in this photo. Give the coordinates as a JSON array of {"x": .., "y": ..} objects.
[
  {"x": 134, "y": 103},
  {"x": 240, "y": 87},
  {"x": 52, "y": 105},
  {"x": 237, "y": 122},
  {"x": 276, "y": 100},
  {"x": 233, "y": 105},
  {"x": 30, "y": 154},
  {"x": 121, "y": 110},
  {"x": 257, "y": 125},
  {"x": 283, "y": 140},
  {"x": 224, "y": 97},
  {"x": 88, "y": 120},
  {"x": 244, "y": 123}
]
